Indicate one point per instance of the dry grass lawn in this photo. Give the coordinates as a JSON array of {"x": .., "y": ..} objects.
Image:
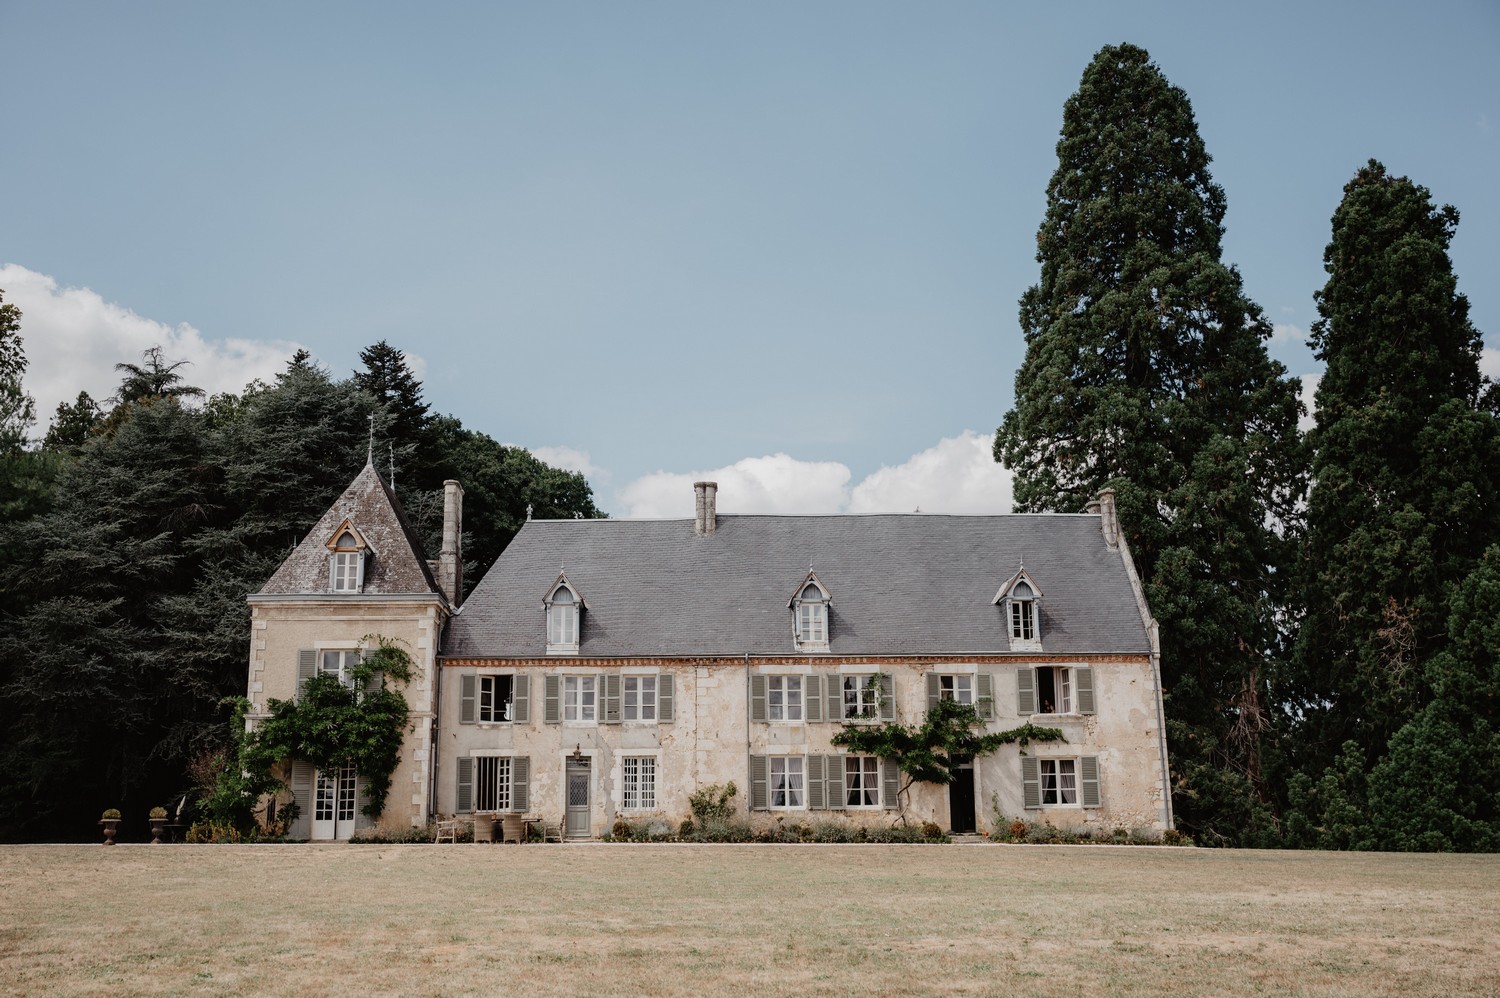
[{"x": 753, "y": 920}]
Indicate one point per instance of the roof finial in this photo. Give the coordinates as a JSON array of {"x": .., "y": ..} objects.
[
  {"x": 370, "y": 454},
  {"x": 1023, "y": 560},
  {"x": 528, "y": 511}
]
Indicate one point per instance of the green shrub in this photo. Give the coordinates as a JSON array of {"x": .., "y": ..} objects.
[
  {"x": 419, "y": 835},
  {"x": 713, "y": 802}
]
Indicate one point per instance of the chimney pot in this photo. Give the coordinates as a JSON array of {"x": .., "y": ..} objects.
[{"x": 705, "y": 507}]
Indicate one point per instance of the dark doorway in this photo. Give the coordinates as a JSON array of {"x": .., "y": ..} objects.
[{"x": 961, "y": 800}]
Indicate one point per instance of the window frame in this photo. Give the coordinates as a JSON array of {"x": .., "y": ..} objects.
[
  {"x": 952, "y": 689},
  {"x": 505, "y": 708},
  {"x": 794, "y": 798},
  {"x": 868, "y": 685},
  {"x": 1064, "y": 782},
  {"x": 636, "y": 700},
  {"x": 862, "y": 776},
  {"x": 563, "y": 620},
  {"x": 577, "y": 704},
  {"x": 811, "y": 616},
  {"x": 780, "y": 686},
  {"x": 496, "y": 792},
  {"x": 640, "y": 784}
]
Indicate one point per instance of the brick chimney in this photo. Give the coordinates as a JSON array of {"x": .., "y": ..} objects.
[
  {"x": 705, "y": 503},
  {"x": 450, "y": 573}
]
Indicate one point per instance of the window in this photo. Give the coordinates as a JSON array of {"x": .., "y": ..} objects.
[
  {"x": 810, "y": 616},
  {"x": 861, "y": 781},
  {"x": 492, "y": 783},
  {"x": 496, "y": 698},
  {"x": 861, "y": 697},
  {"x": 562, "y": 620},
  {"x": 1055, "y": 689},
  {"x": 1022, "y": 613},
  {"x": 960, "y": 688},
  {"x": 346, "y": 561},
  {"x": 638, "y": 776},
  {"x": 787, "y": 787},
  {"x": 640, "y": 698},
  {"x": 579, "y": 702},
  {"x": 338, "y": 664},
  {"x": 784, "y": 698},
  {"x": 1059, "y": 781}
]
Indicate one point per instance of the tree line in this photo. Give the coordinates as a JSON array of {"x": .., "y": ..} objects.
[
  {"x": 131, "y": 536},
  {"x": 1329, "y": 602}
]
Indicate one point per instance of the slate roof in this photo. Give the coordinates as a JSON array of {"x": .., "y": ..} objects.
[
  {"x": 900, "y": 584},
  {"x": 396, "y": 563}
]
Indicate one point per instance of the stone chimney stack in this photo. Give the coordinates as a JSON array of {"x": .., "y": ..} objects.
[
  {"x": 450, "y": 573},
  {"x": 1109, "y": 521},
  {"x": 705, "y": 507}
]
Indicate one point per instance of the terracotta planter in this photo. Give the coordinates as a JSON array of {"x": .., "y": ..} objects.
[{"x": 110, "y": 826}]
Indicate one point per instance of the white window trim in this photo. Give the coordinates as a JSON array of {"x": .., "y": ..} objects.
[
  {"x": 655, "y": 697},
  {"x": 878, "y": 785},
  {"x": 873, "y": 717},
  {"x": 562, "y": 698},
  {"x": 801, "y": 791},
  {"x": 801, "y": 698},
  {"x": 956, "y": 676},
  {"x": 479, "y": 679},
  {"x": 572, "y": 617},
  {"x": 620, "y": 781},
  {"x": 1057, "y": 763}
]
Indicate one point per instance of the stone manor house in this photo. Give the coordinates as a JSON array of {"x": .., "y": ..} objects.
[{"x": 609, "y": 668}]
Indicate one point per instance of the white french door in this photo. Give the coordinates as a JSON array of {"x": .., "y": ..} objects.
[{"x": 334, "y": 804}]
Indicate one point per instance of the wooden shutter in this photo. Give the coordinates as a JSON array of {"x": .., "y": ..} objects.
[
  {"x": 757, "y": 698},
  {"x": 934, "y": 690},
  {"x": 1025, "y": 691},
  {"x": 812, "y": 698},
  {"x": 520, "y": 691},
  {"x": 760, "y": 798},
  {"x": 520, "y": 784},
  {"x": 463, "y": 797},
  {"x": 611, "y": 692},
  {"x": 666, "y": 698},
  {"x": 1088, "y": 781},
  {"x": 302, "y": 779},
  {"x": 887, "y": 696},
  {"x": 1083, "y": 686},
  {"x": 984, "y": 696},
  {"x": 307, "y": 667},
  {"x": 890, "y": 784},
  {"x": 817, "y": 800},
  {"x": 1031, "y": 783},
  {"x": 835, "y": 782},
  {"x": 835, "y": 701},
  {"x": 361, "y": 798},
  {"x": 466, "y": 684},
  {"x": 551, "y": 699}
]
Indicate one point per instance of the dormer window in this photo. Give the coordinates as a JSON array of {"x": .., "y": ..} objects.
[
  {"x": 346, "y": 560},
  {"x": 563, "y": 605},
  {"x": 810, "y": 615},
  {"x": 1019, "y": 599}
]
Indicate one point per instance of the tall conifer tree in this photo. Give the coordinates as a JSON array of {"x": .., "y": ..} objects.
[
  {"x": 1146, "y": 371},
  {"x": 1406, "y": 469}
]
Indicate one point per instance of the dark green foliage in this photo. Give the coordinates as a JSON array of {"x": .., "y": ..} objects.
[
  {"x": 17, "y": 409},
  {"x": 154, "y": 379},
  {"x": 72, "y": 424},
  {"x": 1146, "y": 371},
  {"x": 1406, "y": 466},
  {"x": 238, "y": 778}
]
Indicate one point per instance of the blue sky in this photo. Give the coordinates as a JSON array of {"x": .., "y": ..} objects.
[{"x": 781, "y": 243}]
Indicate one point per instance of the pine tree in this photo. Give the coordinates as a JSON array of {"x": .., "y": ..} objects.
[
  {"x": 1406, "y": 469},
  {"x": 1146, "y": 371},
  {"x": 17, "y": 410}
]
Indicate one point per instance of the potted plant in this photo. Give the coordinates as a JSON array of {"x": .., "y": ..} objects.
[
  {"x": 158, "y": 824},
  {"x": 110, "y": 822}
]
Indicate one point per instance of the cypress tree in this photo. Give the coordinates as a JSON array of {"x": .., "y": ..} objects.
[
  {"x": 1146, "y": 371},
  {"x": 1406, "y": 467}
]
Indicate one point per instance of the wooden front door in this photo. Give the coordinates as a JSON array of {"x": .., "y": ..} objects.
[
  {"x": 334, "y": 803},
  {"x": 961, "y": 800},
  {"x": 579, "y": 819}
]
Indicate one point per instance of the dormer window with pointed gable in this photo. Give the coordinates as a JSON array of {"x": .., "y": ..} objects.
[
  {"x": 346, "y": 560},
  {"x": 810, "y": 615},
  {"x": 1020, "y": 599},
  {"x": 563, "y": 605}
]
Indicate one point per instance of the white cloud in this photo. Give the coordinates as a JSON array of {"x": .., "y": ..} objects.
[
  {"x": 1309, "y": 400},
  {"x": 74, "y": 338},
  {"x": 1489, "y": 363},
  {"x": 568, "y": 459},
  {"x": 956, "y": 475},
  {"x": 1286, "y": 332}
]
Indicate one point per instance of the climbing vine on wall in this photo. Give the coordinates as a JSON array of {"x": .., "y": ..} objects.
[{"x": 359, "y": 721}]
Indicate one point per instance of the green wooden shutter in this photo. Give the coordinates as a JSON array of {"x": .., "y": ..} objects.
[
  {"x": 463, "y": 798},
  {"x": 666, "y": 698},
  {"x": 1031, "y": 783},
  {"x": 1025, "y": 691},
  {"x": 812, "y": 698},
  {"x": 934, "y": 690},
  {"x": 302, "y": 779},
  {"x": 520, "y": 784},
  {"x": 984, "y": 696},
  {"x": 361, "y": 796},
  {"x": 611, "y": 697},
  {"x": 890, "y": 784},
  {"x": 1088, "y": 781},
  {"x": 835, "y": 701},
  {"x": 1083, "y": 684},
  {"x": 551, "y": 699},
  {"x": 466, "y": 684},
  {"x": 520, "y": 692},
  {"x": 307, "y": 667},
  {"x": 757, "y": 698},
  {"x": 816, "y": 798},
  {"x": 759, "y": 784},
  {"x": 835, "y": 782},
  {"x": 887, "y": 697}
]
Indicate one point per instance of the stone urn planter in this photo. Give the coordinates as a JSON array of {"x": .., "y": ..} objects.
[
  {"x": 158, "y": 824},
  {"x": 110, "y": 822}
]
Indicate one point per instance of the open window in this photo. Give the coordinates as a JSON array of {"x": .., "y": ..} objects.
[
  {"x": 564, "y": 607},
  {"x": 810, "y": 615},
  {"x": 1020, "y": 602},
  {"x": 347, "y": 551}
]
